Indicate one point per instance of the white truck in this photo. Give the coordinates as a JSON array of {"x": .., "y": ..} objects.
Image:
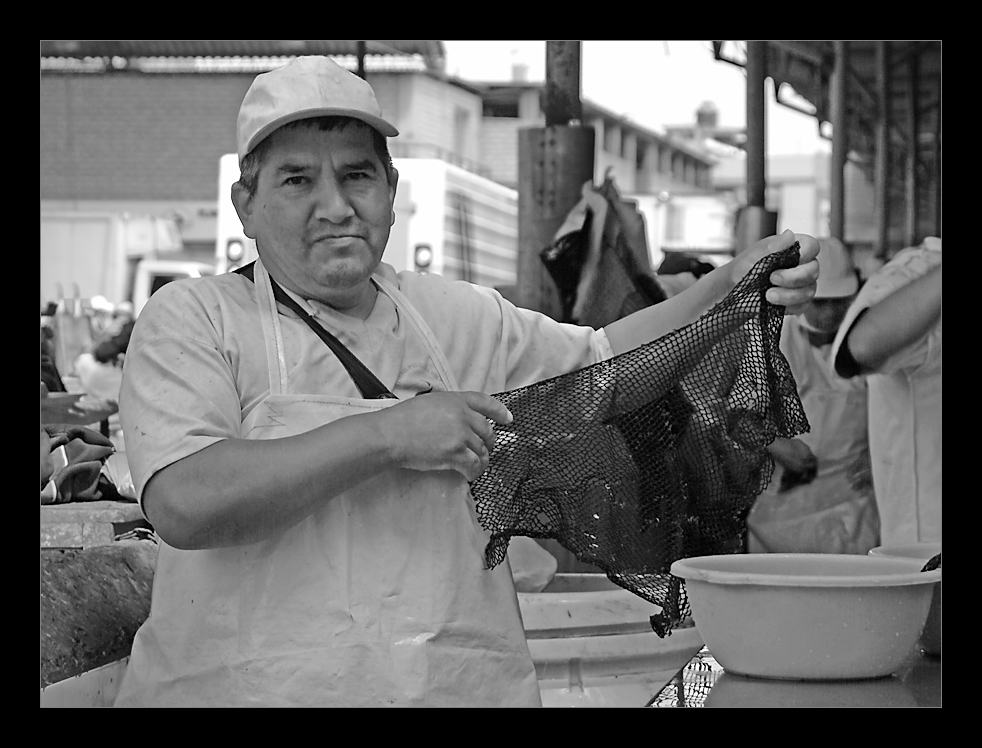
[
  {"x": 700, "y": 225},
  {"x": 119, "y": 256},
  {"x": 448, "y": 221}
]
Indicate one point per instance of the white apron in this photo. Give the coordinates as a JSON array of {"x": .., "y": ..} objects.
[
  {"x": 380, "y": 597},
  {"x": 836, "y": 512}
]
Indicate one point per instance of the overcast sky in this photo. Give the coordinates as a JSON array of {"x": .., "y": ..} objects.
[{"x": 655, "y": 83}]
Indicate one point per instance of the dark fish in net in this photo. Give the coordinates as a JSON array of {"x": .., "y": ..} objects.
[{"x": 653, "y": 455}]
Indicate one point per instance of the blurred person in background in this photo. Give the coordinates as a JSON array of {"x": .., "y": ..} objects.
[
  {"x": 821, "y": 499},
  {"x": 892, "y": 336},
  {"x": 101, "y": 369},
  {"x": 50, "y": 376}
]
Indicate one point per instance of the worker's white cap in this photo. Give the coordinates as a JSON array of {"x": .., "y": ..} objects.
[{"x": 309, "y": 86}]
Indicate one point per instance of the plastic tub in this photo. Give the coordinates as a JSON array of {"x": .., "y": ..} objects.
[
  {"x": 808, "y": 616},
  {"x": 930, "y": 641}
]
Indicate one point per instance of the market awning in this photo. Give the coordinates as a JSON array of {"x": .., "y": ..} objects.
[
  {"x": 884, "y": 98},
  {"x": 913, "y": 79}
]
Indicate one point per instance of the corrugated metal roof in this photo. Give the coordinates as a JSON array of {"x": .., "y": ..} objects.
[{"x": 432, "y": 51}]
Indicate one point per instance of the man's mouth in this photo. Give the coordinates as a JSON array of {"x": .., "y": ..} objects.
[{"x": 335, "y": 237}]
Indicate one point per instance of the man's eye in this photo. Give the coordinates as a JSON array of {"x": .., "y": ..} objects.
[
  {"x": 358, "y": 175},
  {"x": 295, "y": 181}
]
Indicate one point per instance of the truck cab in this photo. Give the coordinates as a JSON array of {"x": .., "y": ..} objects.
[{"x": 152, "y": 274}]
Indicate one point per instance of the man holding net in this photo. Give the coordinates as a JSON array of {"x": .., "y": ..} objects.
[{"x": 320, "y": 545}]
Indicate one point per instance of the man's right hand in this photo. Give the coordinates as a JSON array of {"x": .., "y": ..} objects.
[
  {"x": 799, "y": 462},
  {"x": 444, "y": 431}
]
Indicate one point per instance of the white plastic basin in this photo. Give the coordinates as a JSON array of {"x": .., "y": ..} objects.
[
  {"x": 930, "y": 640},
  {"x": 808, "y": 616}
]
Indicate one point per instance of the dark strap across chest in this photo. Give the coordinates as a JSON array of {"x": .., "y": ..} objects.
[{"x": 366, "y": 382}]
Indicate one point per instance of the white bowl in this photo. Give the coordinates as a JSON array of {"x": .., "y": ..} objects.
[
  {"x": 803, "y": 616},
  {"x": 736, "y": 691},
  {"x": 930, "y": 640}
]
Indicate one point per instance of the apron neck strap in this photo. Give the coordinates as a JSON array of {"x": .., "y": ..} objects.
[{"x": 366, "y": 382}]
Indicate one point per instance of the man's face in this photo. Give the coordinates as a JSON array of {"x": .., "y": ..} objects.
[{"x": 321, "y": 212}]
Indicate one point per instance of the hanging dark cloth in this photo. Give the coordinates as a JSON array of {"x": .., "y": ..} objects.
[{"x": 599, "y": 259}]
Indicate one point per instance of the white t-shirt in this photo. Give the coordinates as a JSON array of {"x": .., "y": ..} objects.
[
  {"x": 196, "y": 363},
  {"x": 904, "y": 411}
]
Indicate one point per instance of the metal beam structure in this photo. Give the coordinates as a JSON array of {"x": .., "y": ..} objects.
[
  {"x": 840, "y": 142},
  {"x": 882, "y": 153},
  {"x": 561, "y": 102},
  {"x": 937, "y": 169},
  {"x": 756, "y": 145},
  {"x": 362, "y": 50},
  {"x": 553, "y": 164},
  {"x": 883, "y": 100},
  {"x": 911, "y": 179}
]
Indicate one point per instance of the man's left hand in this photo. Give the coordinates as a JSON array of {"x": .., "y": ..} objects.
[{"x": 794, "y": 288}]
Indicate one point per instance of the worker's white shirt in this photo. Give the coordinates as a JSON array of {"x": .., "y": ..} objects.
[
  {"x": 381, "y": 595},
  {"x": 197, "y": 346},
  {"x": 904, "y": 411}
]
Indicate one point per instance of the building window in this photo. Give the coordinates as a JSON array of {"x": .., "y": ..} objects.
[
  {"x": 612, "y": 139},
  {"x": 640, "y": 154},
  {"x": 501, "y": 109}
]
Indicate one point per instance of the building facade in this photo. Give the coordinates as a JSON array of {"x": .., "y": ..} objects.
[
  {"x": 150, "y": 142},
  {"x": 642, "y": 161}
]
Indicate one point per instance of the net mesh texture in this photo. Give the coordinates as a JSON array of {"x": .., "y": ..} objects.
[{"x": 653, "y": 455}]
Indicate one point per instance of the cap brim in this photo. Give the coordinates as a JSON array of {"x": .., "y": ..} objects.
[
  {"x": 376, "y": 122},
  {"x": 838, "y": 288}
]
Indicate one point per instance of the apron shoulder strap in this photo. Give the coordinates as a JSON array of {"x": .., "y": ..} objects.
[{"x": 366, "y": 382}]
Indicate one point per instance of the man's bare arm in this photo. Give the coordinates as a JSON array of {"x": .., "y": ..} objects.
[
  {"x": 240, "y": 491},
  {"x": 900, "y": 319},
  {"x": 794, "y": 288}
]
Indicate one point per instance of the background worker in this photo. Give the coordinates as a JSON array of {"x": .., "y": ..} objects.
[
  {"x": 320, "y": 547},
  {"x": 892, "y": 334},
  {"x": 821, "y": 499}
]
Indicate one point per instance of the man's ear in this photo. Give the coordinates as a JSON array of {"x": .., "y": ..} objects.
[
  {"x": 393, "y": 184},
  {"x": 242, "y": 199}
]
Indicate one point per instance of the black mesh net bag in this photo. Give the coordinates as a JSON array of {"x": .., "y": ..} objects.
[{"x": 651, "y": 456}]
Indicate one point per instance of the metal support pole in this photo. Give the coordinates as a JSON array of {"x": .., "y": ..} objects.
[
  {"x": 840, "y": 142},
  {"x": 913, "y": 146},
  {"x": 882, "y": 165},
  {"x": 756, "y": 136},
  {"x": 553, "y": 165},
  {"x": 561, "y": 94},
  {"x": 362, "y": 51},
  {"x": 754, "y": 221},
  {"x": 937, "y": 168}
]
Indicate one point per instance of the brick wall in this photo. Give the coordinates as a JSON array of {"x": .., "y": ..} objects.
[{"x": 136, "y": 136}]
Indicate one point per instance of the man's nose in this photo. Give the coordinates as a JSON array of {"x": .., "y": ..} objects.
[{"x": 332, "y": 202}]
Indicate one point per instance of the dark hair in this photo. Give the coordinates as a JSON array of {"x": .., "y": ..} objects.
[{"x": 252, "y": 163}]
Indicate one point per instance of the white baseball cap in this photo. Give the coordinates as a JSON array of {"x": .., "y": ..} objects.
[
  {"x": 309, "y": 86},
  {"x": 836, "y": 273}
]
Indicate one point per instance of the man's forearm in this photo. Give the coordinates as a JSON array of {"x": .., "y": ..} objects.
[
  {"x": 900, "y": 319},
  {"x": 241, "y": 491},
  {"x": 653, "y": 322}
]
